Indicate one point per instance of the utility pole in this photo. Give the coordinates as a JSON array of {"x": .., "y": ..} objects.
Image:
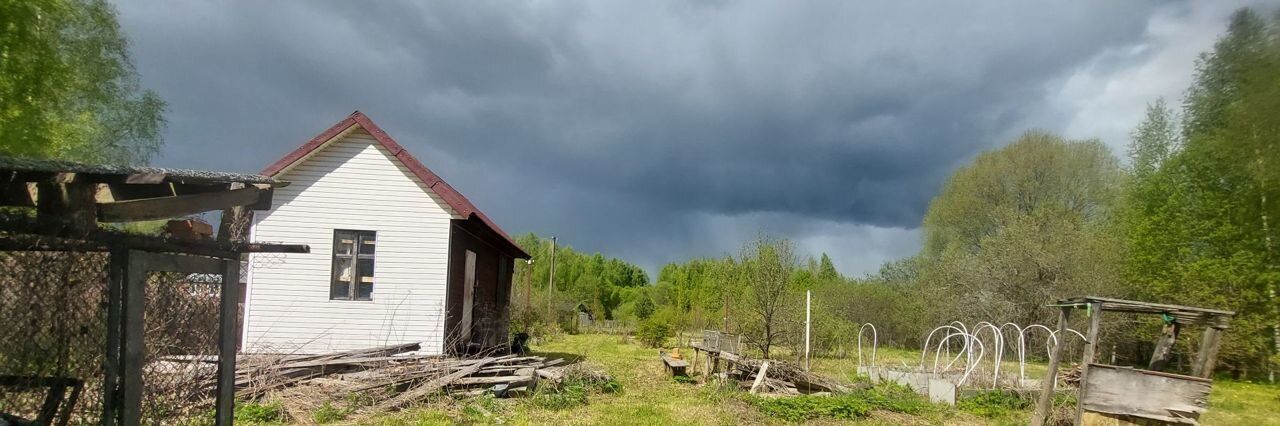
[{"x": 551, "y": 280}]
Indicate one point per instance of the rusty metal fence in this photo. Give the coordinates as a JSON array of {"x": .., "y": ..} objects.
[{"x": 54, "y": 354}]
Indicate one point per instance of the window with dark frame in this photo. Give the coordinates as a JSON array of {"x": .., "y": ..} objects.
[{"x": 352, "y": 277}]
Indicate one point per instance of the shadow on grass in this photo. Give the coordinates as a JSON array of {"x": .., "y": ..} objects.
[{"x": 569, "y": 358}]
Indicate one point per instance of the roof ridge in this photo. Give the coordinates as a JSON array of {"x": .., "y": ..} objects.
[{"x": 433, "y": 181}]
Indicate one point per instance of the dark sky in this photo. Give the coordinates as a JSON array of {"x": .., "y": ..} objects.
[{"x": 659, "y": 131}]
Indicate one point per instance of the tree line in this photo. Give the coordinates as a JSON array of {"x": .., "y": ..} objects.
[{"x": 1189, "y": 219}]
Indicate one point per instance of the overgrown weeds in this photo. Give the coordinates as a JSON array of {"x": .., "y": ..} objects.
[
  {"x": 850, "y": 406},
  {"x": 995, "y": 404}
]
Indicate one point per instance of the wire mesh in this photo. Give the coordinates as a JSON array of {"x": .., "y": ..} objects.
[
  {"x": 180, "y": 341},
  {"x": 52, "y": 325},
  {"x": 53, "y": 328}
]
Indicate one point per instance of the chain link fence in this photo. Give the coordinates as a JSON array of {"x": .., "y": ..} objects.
[
  {"x": 53, "y": 339},
  {"x": 52, "y": 327}
]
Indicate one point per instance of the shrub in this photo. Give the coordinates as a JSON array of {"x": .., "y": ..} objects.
[
  {"x": 684, "y": 380},
  {"x": 328, "y": 413},
  {"x": 255, "y": 412},
  {"x": 654, "y": 332},
  {"x": 561, "y": 398},
  {"x": 994, "y": 404}
]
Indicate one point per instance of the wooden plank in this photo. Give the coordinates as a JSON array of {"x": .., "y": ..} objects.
[
  {"x": 1090, "y": 349},
  {"x": 229, "y": 312},
  {"x": 418, "y": 393},
  {"x": 182, "y": 205},
  {"x": 161, "y": 262},
  {"x": 132, "y": 350},
  {"x": 491, "y": 380},
  {"x": 1044, "y": 405},
  {"x": 1149, "y": 395},
  {"x": 764, "y": 369}
]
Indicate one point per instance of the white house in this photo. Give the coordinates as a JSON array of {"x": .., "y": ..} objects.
[{"x": 397, "y": 255}]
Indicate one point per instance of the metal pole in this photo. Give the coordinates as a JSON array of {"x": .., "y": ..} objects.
[
  {"x": 807, "y": 322},
  {"x": 551, "y": 279}
]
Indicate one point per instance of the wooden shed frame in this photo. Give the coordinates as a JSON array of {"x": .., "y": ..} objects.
[
  {"x": 1214, "y": 321},
  {"x": 71, "y": 199}
]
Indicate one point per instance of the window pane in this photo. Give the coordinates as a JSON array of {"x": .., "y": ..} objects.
[
  {"x": 339, "y": 290},
  {"x": 342, "y": 275},
  {"x": 367, "y": 243},
  {"x": 343, "y": 241},
  {"x": 366, "y": 271}
]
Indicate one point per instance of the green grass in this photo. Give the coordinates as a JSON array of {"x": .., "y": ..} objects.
[
  {"x": 1241, "y": 403},
  {"x": 646, "y": 395}
]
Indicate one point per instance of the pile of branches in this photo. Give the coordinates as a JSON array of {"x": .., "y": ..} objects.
[
  {"x": 393, "y": 377},
  {"x": 780, "y": 377}
]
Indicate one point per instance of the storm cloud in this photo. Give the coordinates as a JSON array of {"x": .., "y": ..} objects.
[{"x": 658, "y": 131}]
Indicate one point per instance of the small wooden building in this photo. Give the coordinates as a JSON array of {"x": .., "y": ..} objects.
[{"x": 398, "y": 255}]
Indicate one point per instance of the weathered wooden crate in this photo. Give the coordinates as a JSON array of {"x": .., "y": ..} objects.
[{"x": 1131, "y": 396}]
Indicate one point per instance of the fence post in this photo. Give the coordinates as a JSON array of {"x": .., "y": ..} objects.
[
  {"x": 227, "y": 336},
  {"x": 131, "y": 345},
  {"x": 118, "y": 262}
]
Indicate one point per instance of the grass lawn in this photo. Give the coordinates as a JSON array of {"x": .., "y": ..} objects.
[{"x": 650, "y": 397}]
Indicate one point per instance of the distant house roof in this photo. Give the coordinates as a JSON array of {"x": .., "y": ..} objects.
[{"x": 451, "y": 196}]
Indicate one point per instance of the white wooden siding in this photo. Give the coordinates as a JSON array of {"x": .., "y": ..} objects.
[{"x": 351, "y": 183}]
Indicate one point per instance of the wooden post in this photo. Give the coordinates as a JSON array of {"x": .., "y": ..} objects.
[
  {"x": 227, "y": 336},
  {"x": 1207, "y": 358},
  {"x": 111, "y": 400},
  {"x": 131, "y": 347},
  {"x": 1164, "y": 347},
  {"x": 1045, "y": 403},
  {"x": 66, "y": 207},
  {"x": 1090, "y": 349}
]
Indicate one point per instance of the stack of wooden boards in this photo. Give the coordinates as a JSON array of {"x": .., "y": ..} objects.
[
  {"x": 779, "y": 377},
  {"x": 394, "y": 376}
]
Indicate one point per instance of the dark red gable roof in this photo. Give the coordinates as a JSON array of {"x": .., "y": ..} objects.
[{"x": 451, "y": 196}]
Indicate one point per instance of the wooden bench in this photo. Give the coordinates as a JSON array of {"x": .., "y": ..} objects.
[{"x": 674, "y": 366}]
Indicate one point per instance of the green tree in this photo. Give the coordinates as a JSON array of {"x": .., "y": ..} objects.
[
  {"x": 1200, "y": 226},
  {"x": 1154, "y": 140},
  {"x": 67, "y": 87},
  {"x": 767, "y": 267},
  {"x": 1023, "y": 225}
]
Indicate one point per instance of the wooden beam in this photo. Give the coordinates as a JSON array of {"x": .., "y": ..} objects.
[
  {"x": 228, "y": 304},
  {"x": 1090, "y": 349},
  {"x": 65, "y": 208},
  {"x": 17, "y": 193},
  {"x": 132, "y": 350},
  {"x": 1207, "y": 357},
  {"x": 163, "y": 262},
  {"x": 1164, "y": 347},
  {"x": 1044, "y": 405},
  {"x": 177, "y": 206}
]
